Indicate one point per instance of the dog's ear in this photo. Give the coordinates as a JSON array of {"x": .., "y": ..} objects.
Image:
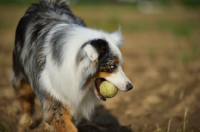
[
  {"x": 117, "y": 38},
  {"x": 91, "y": 52},
  {"x": 96, "y": 50},
  {"x": 101, "y": 47}
]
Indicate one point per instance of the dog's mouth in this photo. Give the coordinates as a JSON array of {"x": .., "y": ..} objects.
[{"x": 98, "y": 82}]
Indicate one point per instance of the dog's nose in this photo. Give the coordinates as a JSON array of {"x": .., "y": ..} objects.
[{"x": 129, "y": 86}]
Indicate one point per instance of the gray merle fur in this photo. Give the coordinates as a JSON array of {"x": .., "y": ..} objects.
[{"x": 31, "y": 33}]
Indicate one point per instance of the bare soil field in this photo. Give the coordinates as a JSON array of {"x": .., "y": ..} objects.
[{"x": 161, "y": 58}]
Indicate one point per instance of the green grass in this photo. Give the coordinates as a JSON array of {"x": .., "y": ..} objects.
[
  {"x": 4, "y": 24},
  {"x": 3, "y": 128},
  {"x": 179, "y": 28},
  {"x": 191, "y": 3},
  {"x": 192, "y": 54}
]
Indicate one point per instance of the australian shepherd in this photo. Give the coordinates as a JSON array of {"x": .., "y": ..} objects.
[{"x": 62, "y": 62}]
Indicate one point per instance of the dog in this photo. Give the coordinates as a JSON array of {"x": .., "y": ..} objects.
[{"x": 62, "y": 62}]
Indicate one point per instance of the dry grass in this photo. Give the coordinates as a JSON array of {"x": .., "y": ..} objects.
[{"x": 185, "y": 122}]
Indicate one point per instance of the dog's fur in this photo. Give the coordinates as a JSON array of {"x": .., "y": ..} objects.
[{"x": 63, "y": 62}]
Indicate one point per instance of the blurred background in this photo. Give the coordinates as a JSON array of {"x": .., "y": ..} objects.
[{"x": 161, "y": 58}]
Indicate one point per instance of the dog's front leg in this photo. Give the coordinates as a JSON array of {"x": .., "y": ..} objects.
[{"x": 57, "y": 116}]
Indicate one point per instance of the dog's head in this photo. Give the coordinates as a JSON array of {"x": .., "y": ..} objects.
[{"x": 105, "y": 60}]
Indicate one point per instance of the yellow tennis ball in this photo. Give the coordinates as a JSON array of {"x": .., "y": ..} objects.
[{"x": 108, "y": 90}]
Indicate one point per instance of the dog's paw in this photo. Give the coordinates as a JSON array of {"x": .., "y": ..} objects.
[
  {"x": 25, "y": 122},
  {"x": 48, "y": 128}
]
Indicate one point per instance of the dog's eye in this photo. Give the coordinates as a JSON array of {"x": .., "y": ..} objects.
[{"x": 113, "y": 66}]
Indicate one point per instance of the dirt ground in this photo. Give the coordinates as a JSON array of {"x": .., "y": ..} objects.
[{"x": 161, "y": 58}]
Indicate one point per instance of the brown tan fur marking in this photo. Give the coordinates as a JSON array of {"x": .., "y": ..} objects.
[
  {"x": 26, "y": 97},
  {"x": 57, "y": 115}
]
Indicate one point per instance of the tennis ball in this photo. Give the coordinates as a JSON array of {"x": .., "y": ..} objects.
[{"x": 108, "y": 90}]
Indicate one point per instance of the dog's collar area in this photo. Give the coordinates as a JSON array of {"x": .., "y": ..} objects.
[{"x": 98, "y": 82}]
